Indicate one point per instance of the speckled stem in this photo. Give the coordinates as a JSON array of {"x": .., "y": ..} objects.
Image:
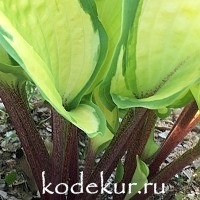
[
  {"x": 15, "y": 101},
  {"x": 59, "y": 128},
  {"x": 187, "y": 120},
  {"x": 136, "y": 148},
  {"x": 131, "y": 124}
]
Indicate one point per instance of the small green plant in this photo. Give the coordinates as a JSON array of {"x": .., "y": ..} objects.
[
  {"x": 11, "y": 177},
  {"x": 95, "y": 63}
]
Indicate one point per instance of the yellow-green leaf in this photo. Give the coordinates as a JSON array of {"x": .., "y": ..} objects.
[
  {"x": 162, "y": 55},
  {"x": 58, "y": 45}
]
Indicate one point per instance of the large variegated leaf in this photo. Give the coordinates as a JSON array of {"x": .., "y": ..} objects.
[
  {"x": 58, "y": 44},
  {"x": 117, "y": 23},
  {"x": 162, "y": 55},
  {"x": 112, "y": 23}
]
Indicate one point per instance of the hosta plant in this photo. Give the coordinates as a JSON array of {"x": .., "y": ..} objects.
[{"x": 110, "y": 72}]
